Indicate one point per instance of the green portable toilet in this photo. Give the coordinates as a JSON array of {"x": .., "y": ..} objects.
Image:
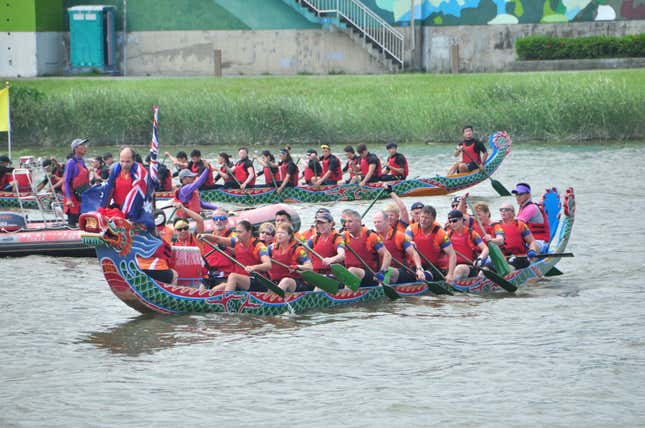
[{"x": 92, "y": 38}]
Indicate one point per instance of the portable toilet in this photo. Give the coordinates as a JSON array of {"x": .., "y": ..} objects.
[{"x": 92, "y": 38}]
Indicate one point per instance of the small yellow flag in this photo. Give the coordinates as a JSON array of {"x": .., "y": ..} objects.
[{"x": 4, "y": 110}]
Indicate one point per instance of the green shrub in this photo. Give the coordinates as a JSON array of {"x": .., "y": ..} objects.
[{"x": 547, "y": 47}]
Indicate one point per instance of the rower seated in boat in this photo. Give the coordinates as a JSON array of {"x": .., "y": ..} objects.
[
  {"x": 369, "y": 164},
  {"x": 332, "y": 172},
  {"x": 249, "y": 252},
  {"x": 219, "y": 266},
  {"x": 369, "y": 247},
  {"x": 287, "y": 170},
  {"x": 433, "y": 243},
  {"x": 351, "y": 166},
  {"x": 473, "y": 153},
  {"x": 396, "y": 167},
  {"x": 467, "y": 244},
  {"x": 327, "y": 245},
  {"x": 184, "y": 237},
  {"x": 532, "y": 214},
  {"x": 399, "y": 245},
  {"x": 286, "y": 251},
  {"x": 314, "y": 169},
  {"x": 6, "y": 179},
  {"x": 518, "y": 239}
]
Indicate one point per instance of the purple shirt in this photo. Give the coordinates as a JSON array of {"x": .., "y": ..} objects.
[
  {"x": 71, "y": 171},
  {"x": 186, "y": 191}
]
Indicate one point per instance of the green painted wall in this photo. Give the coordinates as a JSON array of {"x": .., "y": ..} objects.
[
  {"x": 156, "y": 15},
  {"x": 17, "y": 15},
  {"x": 32, "y": 15}
]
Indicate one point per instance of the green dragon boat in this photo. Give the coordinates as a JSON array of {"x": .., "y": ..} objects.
[{"x": 118, "y": 242}]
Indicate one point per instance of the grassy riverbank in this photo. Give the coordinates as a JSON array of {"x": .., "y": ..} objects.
[{"x": 605, "y": 105}]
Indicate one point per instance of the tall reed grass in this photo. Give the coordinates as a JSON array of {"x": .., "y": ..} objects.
[{"x": 608, "y": 105}]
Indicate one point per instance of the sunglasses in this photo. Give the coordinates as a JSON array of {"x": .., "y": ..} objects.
[
  {"x": 179, "y": 229},
  {"x": 505, "y": 209},
  {"x": 220, "y": 218},
  {"x": 520, "y": 194},
  {"x": 454, "y": 220}
]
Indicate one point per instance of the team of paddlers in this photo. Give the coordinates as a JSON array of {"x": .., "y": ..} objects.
[{"x": 404, "y": 246}]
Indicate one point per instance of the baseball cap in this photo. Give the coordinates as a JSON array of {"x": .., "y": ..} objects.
[
  {"x": 324, "y": 216},
  {"x": 78, "y": 142},
  {"x": 186, "y": 173},
  {"x": 455, "y": 214},
  {"x": 325, "y": 146},
  {"x": 416, "y": 205},
  {"x": 521, "y": 188},
  {"x": 5, "y": 158}
]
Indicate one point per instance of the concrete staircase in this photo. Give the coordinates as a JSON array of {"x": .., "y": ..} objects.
[{"x": 381, "y": 40}]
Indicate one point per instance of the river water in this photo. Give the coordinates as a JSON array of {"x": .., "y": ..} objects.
[{"x": 567, "y": 352}]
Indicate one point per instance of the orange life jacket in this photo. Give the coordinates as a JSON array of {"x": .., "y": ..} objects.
[
  {"x": 288, "y": 257},
  {"x": 359, "y": 245},
  {"x": 513, "y": 241}
]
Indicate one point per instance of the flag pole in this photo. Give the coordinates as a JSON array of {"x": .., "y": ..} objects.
[{"x": 6, "y": 85}]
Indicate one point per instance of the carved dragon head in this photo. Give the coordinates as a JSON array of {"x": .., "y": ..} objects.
[{"x": 115, "y": 232}]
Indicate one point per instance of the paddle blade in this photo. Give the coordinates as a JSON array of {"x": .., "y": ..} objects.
[
  {"x": 323, "y": 282},
  {"x": 499, "y": 261},
  {"x": 554, "y": 271},
  {"x": 390, "y": 292},
  {"x": 268, "y": 284},
  {"x": 499, "y": 188},
  {"x": 345, "y": 276},
  {"x": 510, "y": 287},
  {"x": 439, "y": 287}
]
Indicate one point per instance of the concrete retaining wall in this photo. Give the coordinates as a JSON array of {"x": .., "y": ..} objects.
[
  {"x": 491, "y": 48},
  {"x": 283, "y": 52}
]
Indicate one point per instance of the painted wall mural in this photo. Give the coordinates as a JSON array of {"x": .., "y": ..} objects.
[{"x": 478, "y": 12}]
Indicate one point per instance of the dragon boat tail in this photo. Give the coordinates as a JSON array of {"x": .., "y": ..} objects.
[{"x": 118, "y": 242}]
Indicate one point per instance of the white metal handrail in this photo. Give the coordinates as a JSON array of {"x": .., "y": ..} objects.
[{"x": 366, "y": 21}]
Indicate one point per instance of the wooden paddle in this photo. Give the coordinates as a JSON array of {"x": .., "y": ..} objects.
[
  {"x": 323, "y": 282},
  {"x": 494, "y": 251},
  {"x": 499, "y": 187},
  {"x": 390, "y": 292},
  {"x": 544, "y": 256},
  {"x": 340, "y": 272},
  {"x": 494, "y": 277},
  {"x": 434, "y": 286},
  {"x": 262, "y": 279}
]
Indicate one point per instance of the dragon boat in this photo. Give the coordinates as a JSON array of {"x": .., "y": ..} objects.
[
  {"x": 21, "y": 237},
  {"x": 499, "y": 147},
  {"x": 118, "y": 242}
]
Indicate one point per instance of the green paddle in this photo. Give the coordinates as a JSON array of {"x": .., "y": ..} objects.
[
  {"x": 378, "y": 195},
  {"x": 494, "y": 251},
  {"x": 390, "y": 292},
  {"x": 262, "y": 279},
  {"x": 340, "y": 272},
  {"x": 321, "y": 281},
  {"x": 494, "y": 277},
  {"x": 434, "y": 286},
  {"x": 554, "y": 271},
  {"x": 499, "y": 187}
]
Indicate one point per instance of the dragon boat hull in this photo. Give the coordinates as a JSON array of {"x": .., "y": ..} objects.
[
  {"x": 138, "y": 290},
  {"x": 61, "y": 240},
  {"x": 499, "y": 146}
]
